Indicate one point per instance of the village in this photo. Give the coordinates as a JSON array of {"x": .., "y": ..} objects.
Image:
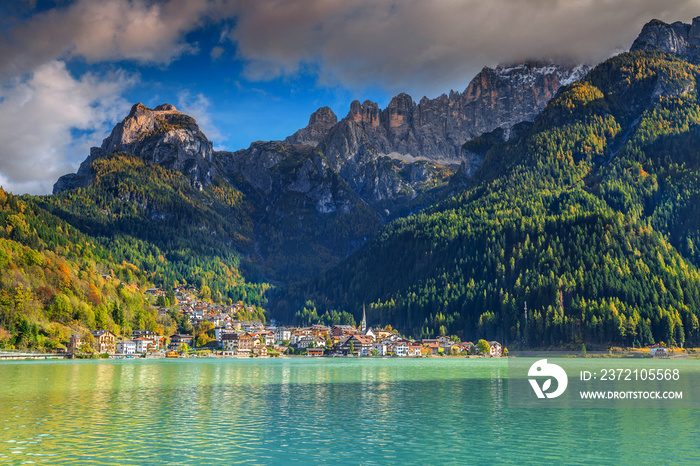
[{"x": 240, "y": 338}]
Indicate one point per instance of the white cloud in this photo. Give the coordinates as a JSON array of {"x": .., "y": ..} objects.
[
  {"x": 427, "y": 46},
  {"x": 198, "y": 107},
  {"x": 49, "y": 120},
  {"x": 146, "y": 31}
]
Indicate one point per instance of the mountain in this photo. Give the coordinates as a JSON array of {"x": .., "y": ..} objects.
[
  {"x": 162, "y": 136},
  {"x": 289, "y": 209},
  {"x": 432, "y": 131},
  {"x": 574, "y": 197},
  {"x": 305, "y": 214},
  {"x": 435, "y": 129},
  {"x": 582, "y": 227},
  {"x": 679, "y": 38}
]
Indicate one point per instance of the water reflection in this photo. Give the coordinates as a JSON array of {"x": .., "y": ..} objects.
[{"x": 308, "y": 411}]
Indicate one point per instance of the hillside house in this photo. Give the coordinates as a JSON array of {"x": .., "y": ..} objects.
[
  {"x": 179, "y": 339},
  {"x": 105, "y": 341},
  {"x": 495, "y": 349}
]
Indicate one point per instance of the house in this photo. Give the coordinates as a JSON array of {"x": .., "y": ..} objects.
[
  {"x": 320, "y": 331},
  {"x": 268, "y": 337},
  {"x": 315, "y": 352},
  {"x": 380, "y": 348},
  {"x": 295, "y": 337},
  {"x": 229, "y": 342},
  {"x": 310, "y": 342},
  {"x": 153, "y": 336},
  {"x": 155, "y": 292},
  {"x": 392, "y": 337},
  {"x": 414, "y": 350},
  {"x": 222, "y": 330},
  {"x": 281, "y": 349},
  {"x": 443, "y": 339},
  {"x": 357, "y": 344},
  {"x": 433, "y": 347},
  {"x": 399, "y": 348},
  {"x": 282, "y": 334},
  {"x": 254, "y": 326},
  {"x": 75, "y": 342},
  {"x": 143, "y": 345},
  {"x": 126, "y": 347},
  {"x": 381, "y": 334},
  {"x": 245, "y": 343},
  {"x": 259, "y": 350},
  {"x": 178, "y": 339},
  {"x": 657, "y": 351},
  {"x": 495, "y": 349},
  {"x": 340, "y": 330},
  {"x": 105, "y": 341}
]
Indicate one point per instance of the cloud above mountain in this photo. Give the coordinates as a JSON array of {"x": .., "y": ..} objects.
[
  {"x": 62, "y": 67},
  {"x": 49, "y": 119},
  {"x": 420, "y": 45},
  {"x": 409, "y": 44}
]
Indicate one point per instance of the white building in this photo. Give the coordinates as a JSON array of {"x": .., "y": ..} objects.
[
  {"x": 400, "y": 348},
  {"x": 380, "y": 348},
  {"x": 311, "y": 342},
  {"x": 269, "y": 337},
  {"x": 126, "y": 347},
  {"x": 142, "y": 344},
  {"x": 282, "y": 334},
  {"x": 222, "y": 330}
]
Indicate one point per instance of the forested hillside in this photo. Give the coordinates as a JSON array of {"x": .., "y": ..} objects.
[
  {"x": 154, "y": 218},
  {"x": 588, "y": 217},
  {"x": 55, "y": 281}
]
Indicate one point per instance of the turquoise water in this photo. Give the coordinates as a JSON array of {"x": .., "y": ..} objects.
[{"x": 312, "y": 411}]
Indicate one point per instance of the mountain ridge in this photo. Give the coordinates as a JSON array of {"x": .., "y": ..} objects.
[{"x": 586, "y": 217}]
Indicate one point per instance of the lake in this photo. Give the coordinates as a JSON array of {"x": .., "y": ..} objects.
[{"x": 312, "y": 411}]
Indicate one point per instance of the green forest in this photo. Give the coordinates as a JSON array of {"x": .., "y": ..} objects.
[
  {"x": 584, "y": 227},
  {"x": 588, "y": 219},
  {"x": 55, "y": 281},
  {"x": 176, "y": 234}
]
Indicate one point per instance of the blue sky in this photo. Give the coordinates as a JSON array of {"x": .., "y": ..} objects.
[{"x": 255, "y": 70}]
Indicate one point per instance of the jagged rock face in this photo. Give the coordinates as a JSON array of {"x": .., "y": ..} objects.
[
  {"x": 678, "y": 38},
  {"x": 275, "y": 169},
  {"x": 162, "y": 136},
  {"x": 436, "y": 129},
  {"x": 320, "y": 122}
]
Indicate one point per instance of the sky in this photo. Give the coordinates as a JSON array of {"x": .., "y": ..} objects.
[{"x": 250, "y": 70}]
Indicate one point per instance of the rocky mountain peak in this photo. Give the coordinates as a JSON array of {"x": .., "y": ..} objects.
[
  {"x": 677, "y": 38},
  {"x": 153, "y": 133},
  {"x": 165, "y": 108},
  {"x": 400, "y": 110},
  {"x": 320, "y": 122},
  {"x": 162, "y": 136},
  {"x": 367, "y": 113},
  {"x": 323, "y": 116}
]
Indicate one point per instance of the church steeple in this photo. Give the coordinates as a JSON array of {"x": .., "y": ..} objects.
[{"x": 363, "y": 325}]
